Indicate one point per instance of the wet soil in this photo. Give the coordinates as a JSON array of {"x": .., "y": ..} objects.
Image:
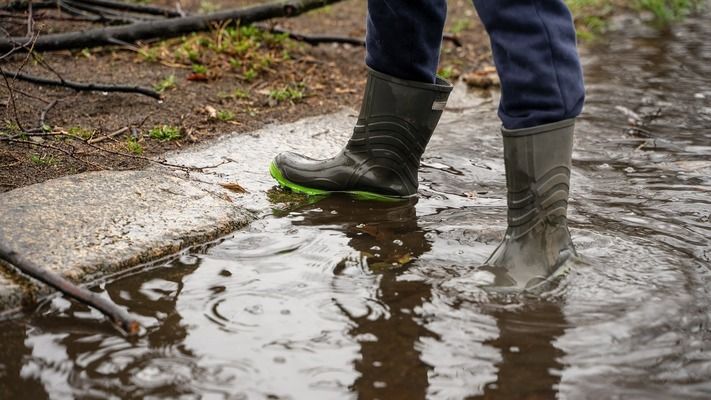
[{"x": 329, "y": 76}]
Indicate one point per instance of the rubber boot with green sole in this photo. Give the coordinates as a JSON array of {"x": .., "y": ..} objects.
[
  {"x": 380, "y": 161},
  {"x": 537, "y": 247}
]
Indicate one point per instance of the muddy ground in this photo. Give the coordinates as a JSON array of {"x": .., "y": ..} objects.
[{"x": 206, "y": 93}]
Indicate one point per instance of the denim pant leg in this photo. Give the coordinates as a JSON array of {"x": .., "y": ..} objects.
[
  {"x": 534, "y": 47},
  {"x": 404, "y": 37}
]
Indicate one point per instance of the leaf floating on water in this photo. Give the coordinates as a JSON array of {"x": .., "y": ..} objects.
[
  {"x": 405, "y": 259},
  {"x": 235, "y": 187}
]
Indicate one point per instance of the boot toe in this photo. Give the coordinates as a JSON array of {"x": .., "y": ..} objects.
[{"x": 289, "y": 162}]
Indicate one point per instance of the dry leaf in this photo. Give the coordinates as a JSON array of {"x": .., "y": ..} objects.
[
  {"x": 235, "y": 187},
  {"x": 211, "y": 112},
  {"x": 196, "y": 77}
]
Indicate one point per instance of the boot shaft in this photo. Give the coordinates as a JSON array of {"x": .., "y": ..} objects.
[
  {"x": 398, "y": 116},
  {"x": 538, "y": 163}
]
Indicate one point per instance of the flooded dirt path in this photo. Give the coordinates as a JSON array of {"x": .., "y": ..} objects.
[{"x": 347, "y": 299}]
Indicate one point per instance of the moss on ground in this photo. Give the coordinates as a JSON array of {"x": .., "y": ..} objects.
[{"x": 592, "y": 16}]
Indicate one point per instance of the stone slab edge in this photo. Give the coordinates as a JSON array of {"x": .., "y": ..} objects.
[{"x": 90, "y": 225}]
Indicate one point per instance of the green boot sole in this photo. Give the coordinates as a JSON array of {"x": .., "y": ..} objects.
[{"x": 360, "y": 195}]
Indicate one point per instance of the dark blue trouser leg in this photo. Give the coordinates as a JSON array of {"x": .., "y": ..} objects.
[
  {"x": 533, "y": 42},
  {"x": 404, "y": 36},
  {"x": 534, "y": 48}
]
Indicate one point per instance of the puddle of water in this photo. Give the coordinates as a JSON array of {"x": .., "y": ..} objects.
[{"x": 346, "y": 299}]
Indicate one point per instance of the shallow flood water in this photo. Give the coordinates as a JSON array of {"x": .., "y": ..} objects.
[{"x": 350, "y": 299}]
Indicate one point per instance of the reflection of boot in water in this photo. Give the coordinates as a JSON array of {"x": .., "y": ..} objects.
[
  {"x": 537, "y": 242},
  {"x": 529, "y": 368},
  {"x": 387, "y": 235}
]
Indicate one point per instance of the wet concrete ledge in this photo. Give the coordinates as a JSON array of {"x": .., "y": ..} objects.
[{"x": 87, "y": 226}]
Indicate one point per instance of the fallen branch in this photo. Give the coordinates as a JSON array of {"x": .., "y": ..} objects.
[
  {"x": 100, "y": 15},
  {"x": 90, "y": 87},
  {"x": 137, "y": 8},
  {"x": 21, "y": 5},
  {"x": 118, "y": 316},
  {"x": 315, "y": 39},
  {"x": 165, "y": 28},
  {"x": 319, "y": 39}
]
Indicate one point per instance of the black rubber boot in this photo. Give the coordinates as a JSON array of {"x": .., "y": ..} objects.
[
  {"x": 380, "y": 161},
  {"x": 537, "y": 243}
]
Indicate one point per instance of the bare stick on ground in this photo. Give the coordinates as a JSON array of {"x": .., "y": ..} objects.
[
  {"x": 118, "y": 316},
  {"x": 137, "y": 8},
  {"x": 91, "y": 87},
  {"x": 319, "y": 39},
  {"x": 165, "y": 28},
  {"x": 43, "y": 114}
]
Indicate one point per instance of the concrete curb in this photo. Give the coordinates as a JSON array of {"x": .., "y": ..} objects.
[{"x": 90, "y": 225}]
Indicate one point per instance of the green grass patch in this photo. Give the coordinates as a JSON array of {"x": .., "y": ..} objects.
[
  {"x": 246, "y": 51},
  {"x": 199, "y": 69},
  {"x": 666, "y": 11},
  {"x": 460, "y": 25},
  {"x": 446, "y": 72},
  {"x": 80, "y": 132},
  {"x": 164, "y": 133},
  {"x": 132, "y": 146},
  {"x": 43, "y": 159},
  {"x": 237, "y": 94},
  {"x": 292, "y": 93},
  {"x": 592, "y": 16},
  {"x": 225, "y": 115},
  {"x": 166, "y": 83},
  {"x": 10, "y": 127},
  {"x": 207, "y": 7}
]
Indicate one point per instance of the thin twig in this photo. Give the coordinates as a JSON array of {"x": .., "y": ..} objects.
[
  {"x": 41, "y": 61},
  {"x": 159, "y": 162},
  {"x": 43, "y": 114},
  {"x": 127, "y": 323},
  {"x": 49, "y": 146},
  {"x": 18, "y": 91},
  {"x": 30, "y": 24},
  {"x": 109, "y": 136},
  {"x": 313, "y": 39},
  {"x": 452, "y": 38},
  {"x": 12, "y": 102},
  {"x": 91, "y": 87},
  {"x": 9, "y": 87}
]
